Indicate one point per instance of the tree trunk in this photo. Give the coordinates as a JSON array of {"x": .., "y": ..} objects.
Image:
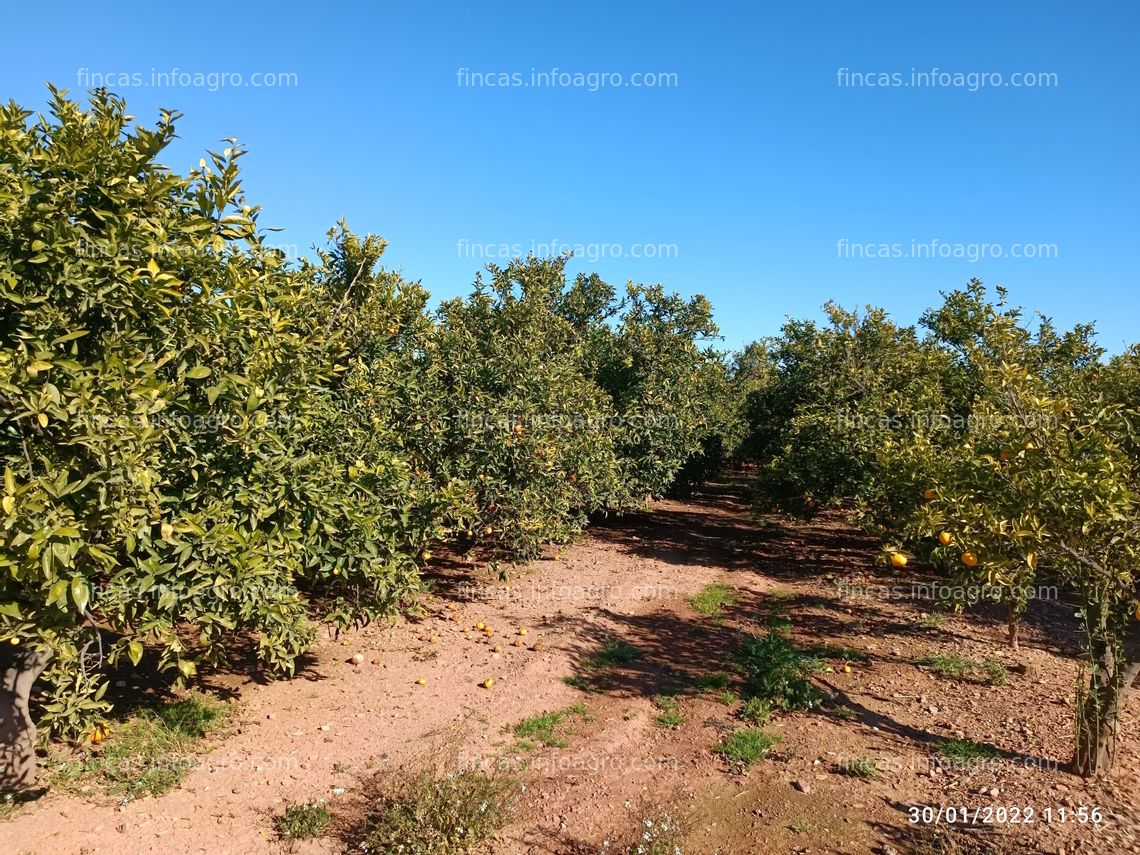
[
  {"x": 20, "y": 665},
  {"x": 1014, "y": 625},
  {"x": 1098, "y": 713}
]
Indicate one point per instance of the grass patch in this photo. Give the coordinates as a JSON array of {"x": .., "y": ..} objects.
[
  {"x": 756, "y": 711},
  {"x": 860, "y": 767},
  {"x": 303, "y": 822},
  {"x": 712, "y": 599},
  {"x": 846, "y": 713},
  {"x": 670, "y": 707},
  {"x": 947, "y": 665},
  {"x": 727, "y": 698},
  {"x": 742, "y": 748},
  {"x": 147, "y": 755},
  {"x": 965, "y": 751},
  {"x": 995, "y": 672},
  {"x": 613, "y": 653},
  {"x": 712, "y": 680},
  {"x": 540, "y": 728},
  {"x": 778, "y": 624},
  {"x": 778, "y": 671},
  {"x": 426, "y": 813}
]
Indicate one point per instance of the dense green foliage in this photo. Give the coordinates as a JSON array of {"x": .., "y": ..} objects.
[
  {"x": 202, "y": 441},
  {"x": 1004, "y": 453}
]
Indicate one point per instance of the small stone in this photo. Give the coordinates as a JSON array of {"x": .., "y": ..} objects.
[{"x": 802, "y": 785}]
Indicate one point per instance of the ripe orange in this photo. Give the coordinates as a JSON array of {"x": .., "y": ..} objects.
[
  {"x": 898, "y": 559},
  {"x": 488, "y": 683},
  {"x": 522, "y": 630},
  {"x": 846, "y": 669},
  {"x": 928, "y": 495},
  {"x": 945, "y": 538},
  {"x": 969, "y": 559},
  {"x": 422, "y": 681}
]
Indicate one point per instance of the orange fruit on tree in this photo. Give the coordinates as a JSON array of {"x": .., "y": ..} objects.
[
  {"x": 970, "y": 559},
  {"x": 928, "y": 495},
  {"x": 945, "y": 538},
  {"x": 898, "y": 559}
]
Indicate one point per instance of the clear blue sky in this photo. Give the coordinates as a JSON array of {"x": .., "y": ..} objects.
[{"x": 743, "y": 175}]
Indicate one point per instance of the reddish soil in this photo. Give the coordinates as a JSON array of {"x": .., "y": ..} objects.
[{"x": 326, "y": 732}]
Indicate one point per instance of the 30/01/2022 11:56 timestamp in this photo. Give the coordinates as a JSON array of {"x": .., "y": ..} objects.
[{"x": 1003, "y": 815}]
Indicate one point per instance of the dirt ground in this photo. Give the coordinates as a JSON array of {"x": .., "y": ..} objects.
[{"x": 323, "y": 734}]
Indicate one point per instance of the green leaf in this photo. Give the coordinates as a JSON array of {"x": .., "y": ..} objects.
[
  {"x": 57, "y": 592},
  {"x": 135, "y": 651},
  {"x": 80, "y": 593},
  {"x": 198, "y": 372}
]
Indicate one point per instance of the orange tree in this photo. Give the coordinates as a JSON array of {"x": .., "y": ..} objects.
[
  {"x": 528, "y": 433},
  {"x": 646, "y": 353},
  {"x": 1008, "y": 453},
  {"x": 1048, "y": 481},
  {"x": 186, "y": 423},
  {"x": 368, "y": 497},
  {"x": 829, "y": 399},
  {"x": 987, "y": 344},
  {"x": 1036, "y": 480}
]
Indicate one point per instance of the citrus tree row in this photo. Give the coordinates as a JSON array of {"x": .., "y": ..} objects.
[
  {"x": 1002, "y": 452},
  {"x": 202, "y": 441}
]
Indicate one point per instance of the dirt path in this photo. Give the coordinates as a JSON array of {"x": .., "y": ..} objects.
[{"x": 324, "y": 733}]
